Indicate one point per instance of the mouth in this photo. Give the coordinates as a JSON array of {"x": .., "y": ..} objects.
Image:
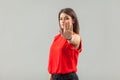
[{"x": 62, "y": 24}]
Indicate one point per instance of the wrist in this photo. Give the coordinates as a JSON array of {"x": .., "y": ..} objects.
[{"x": 69, "y": 39}]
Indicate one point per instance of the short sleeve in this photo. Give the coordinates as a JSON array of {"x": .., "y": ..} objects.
[{"x": 71, "y": 47}]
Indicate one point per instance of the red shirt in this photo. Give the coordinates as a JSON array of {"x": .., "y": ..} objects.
[{"x": 63, "y": 56}]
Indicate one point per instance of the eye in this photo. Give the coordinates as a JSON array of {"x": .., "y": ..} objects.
[
  {"x": 66, "y": 18},
  {"x": 60, "y": 18}
]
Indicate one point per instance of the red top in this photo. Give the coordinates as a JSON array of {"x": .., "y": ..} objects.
[{"x": 63, "y": 56}]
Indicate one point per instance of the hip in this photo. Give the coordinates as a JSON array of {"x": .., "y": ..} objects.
[{"x": 68, "y": 76}]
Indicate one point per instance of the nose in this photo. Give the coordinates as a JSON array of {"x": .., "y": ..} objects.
[{"x": 63, "y": 21}]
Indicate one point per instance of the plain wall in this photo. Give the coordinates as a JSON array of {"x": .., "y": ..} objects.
[{"x": 27, "y": 28}]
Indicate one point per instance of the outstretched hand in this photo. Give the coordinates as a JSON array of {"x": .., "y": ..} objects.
[{"x": 67, "y": 31}]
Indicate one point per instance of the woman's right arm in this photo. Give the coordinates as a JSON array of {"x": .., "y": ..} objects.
[{"x": 50, "y": 77}]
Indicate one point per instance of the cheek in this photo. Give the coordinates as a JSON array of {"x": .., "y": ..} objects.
[{"x": 61, "y": 24}]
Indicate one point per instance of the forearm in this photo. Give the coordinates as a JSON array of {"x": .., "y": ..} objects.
[{"x": 75, "y": 40}]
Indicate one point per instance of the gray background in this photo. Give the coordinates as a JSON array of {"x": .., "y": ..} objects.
[{"x": 27, "y": 28}]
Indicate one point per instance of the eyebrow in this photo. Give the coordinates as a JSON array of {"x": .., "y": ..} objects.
[{"x": 65, "y": 17}]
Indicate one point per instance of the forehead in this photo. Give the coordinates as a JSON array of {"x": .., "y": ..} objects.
[{"x": 64, "y": 15}]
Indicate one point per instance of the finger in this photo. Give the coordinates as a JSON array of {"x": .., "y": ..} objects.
[
  {"x": 67, "y": 25},
  {"x": 71, "y": 27},
  {"x": 64, "y": 29}
]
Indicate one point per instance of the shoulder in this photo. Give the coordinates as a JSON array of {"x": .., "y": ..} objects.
[{"x": 57, "y": 36}]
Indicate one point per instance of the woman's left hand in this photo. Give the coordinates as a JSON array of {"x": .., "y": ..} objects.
[{"x": 67, "y": 31}]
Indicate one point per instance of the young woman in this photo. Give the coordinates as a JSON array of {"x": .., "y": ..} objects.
[{"x": 65, "y": 48}]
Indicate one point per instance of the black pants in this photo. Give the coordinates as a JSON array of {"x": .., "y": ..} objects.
[{"x": 69, "y": 76}]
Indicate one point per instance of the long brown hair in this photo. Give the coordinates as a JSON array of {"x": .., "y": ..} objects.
[{"x": 72, "y": 14}]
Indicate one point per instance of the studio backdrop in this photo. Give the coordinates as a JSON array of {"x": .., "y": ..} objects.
[{"x": 27, "y": 28}]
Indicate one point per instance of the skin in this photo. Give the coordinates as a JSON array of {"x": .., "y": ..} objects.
[
  {"x": 66, "y": 30},
  {"x": 66, "y": 25}
]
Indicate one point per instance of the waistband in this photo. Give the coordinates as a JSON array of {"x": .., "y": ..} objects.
[{"x": 64, "y": 76}]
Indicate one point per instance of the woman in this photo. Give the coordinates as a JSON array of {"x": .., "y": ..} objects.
[{"x": 66, "y": 46}]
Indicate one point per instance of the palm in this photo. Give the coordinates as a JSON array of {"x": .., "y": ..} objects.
[{"x": 67, "y": 31}]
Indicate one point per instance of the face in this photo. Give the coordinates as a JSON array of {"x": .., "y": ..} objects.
[{"x": 65, "y": 20}]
